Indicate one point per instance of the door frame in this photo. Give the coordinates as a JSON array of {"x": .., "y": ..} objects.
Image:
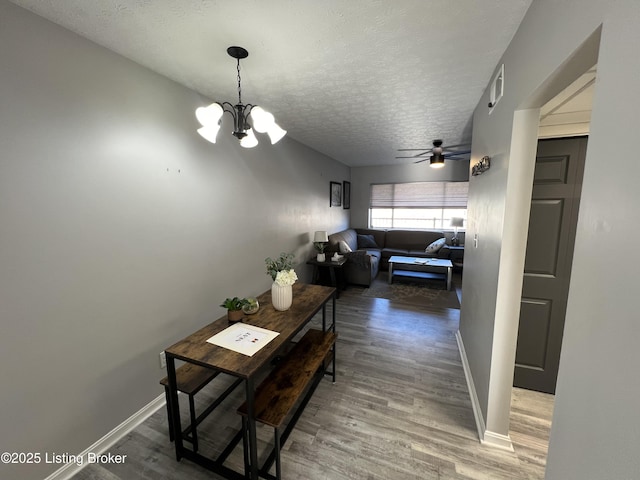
[{"x": 524, "y": 136}]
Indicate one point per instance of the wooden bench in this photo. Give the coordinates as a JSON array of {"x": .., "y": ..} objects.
[
  {"x": 190, "y": 380},
  {"x": 275, "y": 398}
]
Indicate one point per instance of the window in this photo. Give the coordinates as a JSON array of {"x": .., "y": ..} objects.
[{"x": 419, "y": 205}]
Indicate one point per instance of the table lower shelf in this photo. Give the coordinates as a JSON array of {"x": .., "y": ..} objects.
[
  {"x": 446, "y": 277},
  {"x": 422, "y": 275}
]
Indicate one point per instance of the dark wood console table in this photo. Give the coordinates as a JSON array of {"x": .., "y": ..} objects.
[{"x": 307, "y": 301}]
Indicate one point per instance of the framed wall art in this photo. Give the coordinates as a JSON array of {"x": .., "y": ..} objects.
[
  {"x": 346, "y": 194},
  {"x": 335, "y": 194}
]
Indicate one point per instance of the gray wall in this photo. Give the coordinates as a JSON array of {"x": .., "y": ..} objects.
[
  {"x": 122, "y": 231},
  {"x": 594, "y": 433},
  {"x": 363, "y": 177}
]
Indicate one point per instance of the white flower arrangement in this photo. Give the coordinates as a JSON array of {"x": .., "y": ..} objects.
[
  {"x": 286, "y": 277},
  {"x": 284, "y": 263}
]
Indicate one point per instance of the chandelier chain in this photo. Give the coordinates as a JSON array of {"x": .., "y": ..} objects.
[{"x": 239, "y": 87}]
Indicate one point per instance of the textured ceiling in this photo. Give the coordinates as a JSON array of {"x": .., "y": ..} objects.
[{"x": 355, "y": 80}]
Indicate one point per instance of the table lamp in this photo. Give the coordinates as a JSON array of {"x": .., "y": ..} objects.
[
  {"x": 320, "y": 240},
  {"x": 456, "y": 222}
]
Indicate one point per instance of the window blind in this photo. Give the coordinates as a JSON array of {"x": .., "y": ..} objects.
[{"x": 420, "y": 194}]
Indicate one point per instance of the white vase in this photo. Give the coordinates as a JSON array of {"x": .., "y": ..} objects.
[
  {"x": 281, "y": 297},
  {"x": 321, "y": 257}
]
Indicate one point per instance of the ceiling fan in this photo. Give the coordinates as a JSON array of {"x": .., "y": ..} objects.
[{"x": 438, "y": 153}]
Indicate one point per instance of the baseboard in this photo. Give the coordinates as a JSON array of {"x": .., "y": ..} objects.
[
  {"x": 497, "y": 440},
  {"x": 475, "y": 403},
  {"x": 486, "y": 437},
  {"x": 101, "y": 446}
]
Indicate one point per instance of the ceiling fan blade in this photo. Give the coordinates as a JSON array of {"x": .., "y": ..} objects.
[
  {"x": 467, "y": 145},
  {"x": 420, "y": 152},
  {"x": 456, "y": 154},
  {"x": 461, "y": 152},
  {"x": 430, "y": 149},
  {"x": 446, "y": 152}
]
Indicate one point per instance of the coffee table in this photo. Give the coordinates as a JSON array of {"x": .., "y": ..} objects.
[{"x": 424, "y": 268}]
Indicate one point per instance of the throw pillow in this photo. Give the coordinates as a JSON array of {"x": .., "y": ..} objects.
[
  {"x": 344, "y": 247},
  {"x": 435, "y": 246},
  {"x": 367, "y": 241}
]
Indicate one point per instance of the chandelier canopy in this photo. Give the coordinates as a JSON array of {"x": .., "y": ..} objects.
[{"x": 210, "y": 117}]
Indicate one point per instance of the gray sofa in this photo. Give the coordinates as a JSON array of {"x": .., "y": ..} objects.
[
  {"x": 362, "y": 264},
  {"x": 371, "y": 250}
]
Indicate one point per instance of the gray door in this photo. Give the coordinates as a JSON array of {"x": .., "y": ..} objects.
[{"x": 552, "y": 226}]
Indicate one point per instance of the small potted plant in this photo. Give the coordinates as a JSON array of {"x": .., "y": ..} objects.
[
  {"x": 320, "y": 246},
  {"x": 252, "y": 306},
  {"x": 234, "y": 308}
]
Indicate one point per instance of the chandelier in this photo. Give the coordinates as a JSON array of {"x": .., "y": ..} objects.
[{"x": 210, "y": 117}]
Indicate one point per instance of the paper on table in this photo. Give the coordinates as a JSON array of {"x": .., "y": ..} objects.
[{"x": 243, "y": 338}]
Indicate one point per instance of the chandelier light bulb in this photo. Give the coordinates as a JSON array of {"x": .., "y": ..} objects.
[
  {"x": 210, "y": 115},
  {"x": 276, "y": 133},
  {"x": 209, "y": 132},
  {"x": 262, "y": 120},
  {"x": 250, "y": 140}
]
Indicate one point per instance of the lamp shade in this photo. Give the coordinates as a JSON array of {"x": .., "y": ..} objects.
[
  {"x": 262, "y": 120},
  {"x": 249, "y": 140},
  {"x": 210, "y": 115},
  {"x": 320, "y": 236},
  {"x": 437, "y": 160},
  {"x": 276, "y": 133},
  {"x": 457, "y": 222},
  {"x": 209, "y": 132}
]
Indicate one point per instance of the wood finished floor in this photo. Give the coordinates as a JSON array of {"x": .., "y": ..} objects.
[{"x": 400, "y": 410}]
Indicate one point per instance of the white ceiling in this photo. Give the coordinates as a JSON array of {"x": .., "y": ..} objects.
[{"x": 355, "y": 80}]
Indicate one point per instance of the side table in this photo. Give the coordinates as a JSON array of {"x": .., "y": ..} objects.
[
  {"x": 456, "y": 256},
  {"x": 335, "y": 271}
]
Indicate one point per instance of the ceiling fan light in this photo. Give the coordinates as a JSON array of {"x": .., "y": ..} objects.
[
  {"x": 249, "y": 140},
  {"x": 437, "y": 161},
  {"x": 276, "y": 133},
  {"x": 209, "y": 132},
  {"x": 210, "y": 115}
]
